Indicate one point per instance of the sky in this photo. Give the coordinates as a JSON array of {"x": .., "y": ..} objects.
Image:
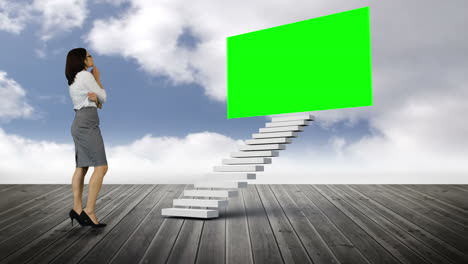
[{"x": 162, "y": 64}]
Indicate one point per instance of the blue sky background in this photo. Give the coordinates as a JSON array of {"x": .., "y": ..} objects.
[{"x": 419, "y": 61}]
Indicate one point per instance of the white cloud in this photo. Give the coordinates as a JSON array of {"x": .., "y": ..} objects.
[
  {"x": 337, "y": 144},
  {"x": 60, "y": 15},
  {"x": 172, "y": 160},
  {"x": 41, "y": 53},
  {"x": 149, "y": 160},
  {"x": 112, "y": 2},
  {"x": 12, "y": 99},
  {"x": 148, "y": 35},
  {"x": 372, "y": 160},
  {"x": 13, "y": 16},
  {"x": 54, "y": 16}
]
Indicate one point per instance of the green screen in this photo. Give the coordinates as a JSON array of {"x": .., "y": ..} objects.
[{"x": 316, "y": 64}]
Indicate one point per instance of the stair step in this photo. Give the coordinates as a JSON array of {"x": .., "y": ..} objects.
[
  {"x": 247, "y": 161},
  {"x": 263, "y": 147},
  {"x": 274, "y": 135},
  {"x": 263, "y": 153},
  {"x": 211, "y": 193},
  {"x": 283, "y": 140},
  {"x": 240, "y": 168},
  {"x": 290, "y": 118},
  {"x": 230, "y": 175},
  {"x": 288, "y": 123},
  {"x": 200, "y": 202},
  {"x": 189, "y": 212},
  {"x": 280, "y": 129},
  {"x": 221, "y": 184}
]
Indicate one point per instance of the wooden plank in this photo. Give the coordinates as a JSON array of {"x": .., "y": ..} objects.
[
  {"x": 438, "y": 230},
  {"x": 288, "y": 241},
  {"x": 162, "y": 245},
  {"x": 139, "y": 240},
  {"x": 14, "y": 188},
  {"x": 59, "y": 235},
  {"x": 449, "y": 210},
  {"x": 186, "y": 245},
  {"x": 436, "y": 213},
  {"x": 399, "y": 250},
  {"x": 372, "y": 250},
  {"x": 39, "y": 233},
  {"x": 105, "y": 249},
  {"x": 426, "y": 211},
  {"x": 111, "y": 215},
  {"x": 18, "y": 223},
  {"x": 445, "y": 193},
  {"x": 448, "y": 207},
  {"x": 23, "y": 193},
  {"x": 4, "y": 187},
  {"x": 264, "y": 246},
  {"x": 266, "y": 223},
  {"x": 212, "y": 245},
  {"x": 238, "y": 248},
  {"x": 462, "y": 187},
  {"x": 404, "y": 237},
  {"x": 416, "y": 231},
  {"x": 452, "y": 231},
  {"x": 313, "y": 243},
  {"x": 15, "y": 214},
  {"x": 339, "y": 244}
]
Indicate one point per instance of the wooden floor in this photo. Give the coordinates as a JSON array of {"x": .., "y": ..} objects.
[{"x": 264, "y": 224}]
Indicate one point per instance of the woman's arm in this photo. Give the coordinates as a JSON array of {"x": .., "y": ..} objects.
[
  {"x": 95, "y": 87},
  {"x": 98, "y": 80}
]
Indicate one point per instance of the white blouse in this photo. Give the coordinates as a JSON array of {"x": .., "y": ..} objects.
[{"x": 84, "y": 83}]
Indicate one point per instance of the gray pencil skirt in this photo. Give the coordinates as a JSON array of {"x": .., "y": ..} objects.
[{"x": 89, "y": 146}]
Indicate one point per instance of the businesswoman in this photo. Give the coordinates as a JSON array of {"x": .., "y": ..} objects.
[{"x": 87, "y": 94}]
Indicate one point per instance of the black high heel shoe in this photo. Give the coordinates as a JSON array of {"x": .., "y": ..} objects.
[
  {"x": 85, "y": 217},
  {"x": 74, "y": 215}
]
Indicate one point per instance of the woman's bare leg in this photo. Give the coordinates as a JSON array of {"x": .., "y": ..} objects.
[
  {"x": 77, "y": 188},
  {"x": 94, "y": 187}
]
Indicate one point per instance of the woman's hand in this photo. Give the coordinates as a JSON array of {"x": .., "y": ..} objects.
[
  {"x": 96, "y": 73},
  {"x": 93, "y": 97},
  {"x": 97, "y": 76}
]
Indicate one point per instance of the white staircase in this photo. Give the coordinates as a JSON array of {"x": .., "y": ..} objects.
[{"x": 242, "y": 165}]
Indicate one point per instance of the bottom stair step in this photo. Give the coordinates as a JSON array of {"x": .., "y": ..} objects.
[
  {"x": 200, "y": 202},
  {"x": 185, "y": 212}
]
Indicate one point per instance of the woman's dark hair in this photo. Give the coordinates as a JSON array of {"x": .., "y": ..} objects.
[{"x": 75, "y": 63}]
